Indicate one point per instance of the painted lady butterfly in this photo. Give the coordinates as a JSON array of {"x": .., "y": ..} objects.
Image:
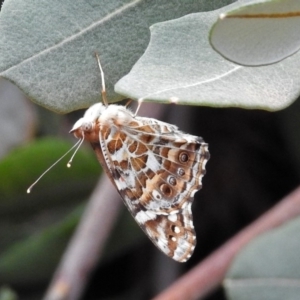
[{"x": 155, "y": 167}]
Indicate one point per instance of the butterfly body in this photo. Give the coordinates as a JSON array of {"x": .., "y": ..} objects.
[{"x": 155, "y": 167}]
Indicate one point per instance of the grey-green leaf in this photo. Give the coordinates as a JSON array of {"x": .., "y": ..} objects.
[
  {"x": 258, "y": 33},
  {"x": 268, "y": 268},
  {"x": 47, "y": 47},
  {"x": 180, "y": 66}
]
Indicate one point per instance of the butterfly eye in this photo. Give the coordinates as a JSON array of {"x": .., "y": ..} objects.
[
  {"x": 183, "y": 157},
  {"x": 88, "y": 126}
]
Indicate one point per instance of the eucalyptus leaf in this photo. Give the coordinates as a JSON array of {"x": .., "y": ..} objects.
[
  {"x": 268, "y": 268},
  {"x": 47, "y": 47},
  {"x": 260, "y": 33},
  {"x": 179, "y": 66}
]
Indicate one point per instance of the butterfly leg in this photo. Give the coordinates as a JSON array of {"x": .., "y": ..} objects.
[
  {"x": 140, "y": 101},
  {"x": 128, "y": 103}
]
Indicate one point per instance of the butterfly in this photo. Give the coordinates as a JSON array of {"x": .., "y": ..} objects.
[{"x": 155, "y": 167}]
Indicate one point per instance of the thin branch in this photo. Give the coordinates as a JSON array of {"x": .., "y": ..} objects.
[
  {"x": 209, "y": 274},
  {"x": 87, "y": 243}
]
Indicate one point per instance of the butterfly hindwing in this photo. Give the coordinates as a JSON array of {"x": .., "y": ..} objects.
[{"x": 157, "y": 169}]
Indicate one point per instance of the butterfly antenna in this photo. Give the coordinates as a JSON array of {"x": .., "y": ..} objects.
[
  {"x": 103, "y": 91},
  {"x": 78, "y": 144}
]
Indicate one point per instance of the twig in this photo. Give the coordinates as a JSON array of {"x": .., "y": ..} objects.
[
  {"x": 85, "y": 247},
  {"x": 209, "y": 274}
]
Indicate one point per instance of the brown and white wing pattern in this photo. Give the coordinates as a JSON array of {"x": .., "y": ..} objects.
[{"x": 157, "y": 169}]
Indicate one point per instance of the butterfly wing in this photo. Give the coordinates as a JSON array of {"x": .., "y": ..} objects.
[{"x": 157, "y": 169}]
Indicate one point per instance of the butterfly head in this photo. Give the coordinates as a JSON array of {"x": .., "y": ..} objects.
[{"x": 86, "y": 127}]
